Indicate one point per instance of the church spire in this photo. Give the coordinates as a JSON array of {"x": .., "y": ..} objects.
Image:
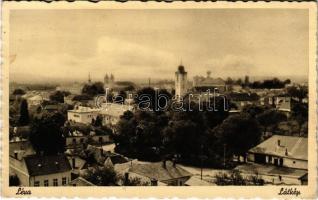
[{"x": 89, "y": 77}]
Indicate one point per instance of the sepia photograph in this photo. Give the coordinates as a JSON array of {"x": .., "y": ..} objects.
[{"x": 165, "y": 96}]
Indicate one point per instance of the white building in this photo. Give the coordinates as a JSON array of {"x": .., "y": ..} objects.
[
  {"x": 82, "y": 114},
  {"x": 181, "y": 82},
  {"x": 111, "y": 113},
  {"x": 35, "y": 170},
  {"x": 282, "y": 151},
  {"x": 279, "y": 160}
]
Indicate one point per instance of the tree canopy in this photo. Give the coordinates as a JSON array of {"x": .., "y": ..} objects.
[
  {"x": 46, "y": 134},
  {"x": 93, "y": 89}
]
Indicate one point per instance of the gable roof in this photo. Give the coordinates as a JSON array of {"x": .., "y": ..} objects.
[
  {"x": 158, "y": 171},
  {"x": 296, "y": 147},
  {"x": 80, "y": 181},
  {"x": 43, "y": 165}
]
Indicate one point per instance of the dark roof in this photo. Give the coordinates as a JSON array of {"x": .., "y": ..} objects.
[
  {"x": 181, "y": 69},
  {"x": 296, "y": 147},
  {"x": 43, "y": 165},
  {"x": 159, "y": 172},
  {"x": 243, "y": 96}
]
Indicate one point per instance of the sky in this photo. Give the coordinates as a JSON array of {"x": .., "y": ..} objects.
[{"x": 142, "y": 44}]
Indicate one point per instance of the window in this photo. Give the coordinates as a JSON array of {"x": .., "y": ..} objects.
[
  {"x": 36, "y": 183},
  {"x": 74, "y": 141},
  {"x": 64, "y": 181},
  {"x": 270, "y": 159},
  {"x": 46, "y": 183},
  {"x": 55, "y": 183}
]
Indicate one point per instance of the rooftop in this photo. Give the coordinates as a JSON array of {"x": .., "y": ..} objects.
[
  {"x": 285, "y": 146},
  {"x": 158, "y": 171},
  {"x": 43, "y": 165}
]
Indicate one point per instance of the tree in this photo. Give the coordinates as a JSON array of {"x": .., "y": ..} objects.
[
  {"x": 229, "y": 81},
  {"x": 149, "y": 99},
  {"x": 82, "y": 97},
  {"x": 46, "y": 134},
  {"x": 18, "y": 92},
  {"x": 121, "y": 97},
  {"x": 270, "y": 117},
  {"x": 24, "y": 113},
  {"x": 98, "y": 121},
  {"x": 300, "y": 114},
  {"x": 58, "y": 96},
  {"x": 93, "y": 89},
  {"x": 253, "y": 109},
  {"x": 234, "y": 177},
  {"x": 298, "y": 92},
  {"x": 101, "y": 176},
  {"x": 239, "y": 133}
]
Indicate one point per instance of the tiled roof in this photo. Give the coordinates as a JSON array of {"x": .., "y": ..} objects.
[
  {"x": 80, "y": 182},
  {"x": 43, "y": 165},
  {"x": 296, "y": 147},
  {"x": 158, "y": 171}
]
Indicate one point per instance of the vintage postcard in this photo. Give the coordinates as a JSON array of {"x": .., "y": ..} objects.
[{"x": 154, "y": 99}]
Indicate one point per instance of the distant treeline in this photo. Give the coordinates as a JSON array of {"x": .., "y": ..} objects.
[
  {"x": 274, "y": 83},
  {"x": 39, "y": 86}
]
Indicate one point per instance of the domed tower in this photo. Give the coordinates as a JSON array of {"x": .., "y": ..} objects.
[{"x": 181, "y": 82}]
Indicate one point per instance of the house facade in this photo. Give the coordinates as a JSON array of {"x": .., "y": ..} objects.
[
  {"x": 35, "y": 170},
  {"x": 282, "y": 151},
  {"x": 81, "y": 114}
]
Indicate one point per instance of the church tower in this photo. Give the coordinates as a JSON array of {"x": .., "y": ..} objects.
[
  {"x": 181, "y": 82},
  {"x": 106, "y": 79}
]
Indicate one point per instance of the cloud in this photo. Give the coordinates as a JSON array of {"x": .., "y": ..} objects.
[
  {"x": 231, "y": 65},
  {"x": 127, "y": 59}
]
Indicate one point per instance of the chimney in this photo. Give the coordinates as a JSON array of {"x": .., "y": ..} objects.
[
  {"x": 286, "y": 152},
  {"x": 16, "y": 155},
  {"x": 278, "y": 142},
  {"x": 154, "y": 182},
  {"x": 101, "y": 151}
]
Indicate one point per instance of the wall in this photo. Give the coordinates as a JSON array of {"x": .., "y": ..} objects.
[
  {"x": 105, "y": 138},
  {"x": 287, "y": 162},
  {"x": 18, "y": 167},
  {"x": 50, "y": 177},
  {"x": 299, "y": 164},
  {"x": 69, "y": 140},
  {"x": 81, "y": 117}
]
